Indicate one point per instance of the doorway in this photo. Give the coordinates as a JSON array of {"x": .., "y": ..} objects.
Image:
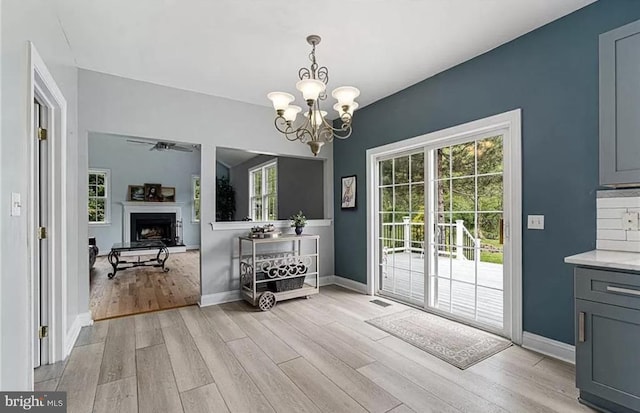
[
  {"x": 444, "y": 231},
  {"x": 143, "y": 213}
]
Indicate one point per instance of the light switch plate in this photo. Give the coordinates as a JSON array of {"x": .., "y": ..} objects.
[
  {"x": 535, "y": 221},
  {"x": 630, "y": 221},
  {"x": 16, "y": 204}
]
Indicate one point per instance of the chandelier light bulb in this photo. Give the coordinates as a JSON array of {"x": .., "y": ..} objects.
[
  {"x": 291, "y": 112},
  {"x": 338, "y": 108},
  {"x": 280, "y": 100},
  {"x": 311, "y": 89},
  {"x": 317, "y": 117}
]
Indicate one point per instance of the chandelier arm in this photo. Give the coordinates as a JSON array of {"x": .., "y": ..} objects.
[{"x": 323, "y": 75}]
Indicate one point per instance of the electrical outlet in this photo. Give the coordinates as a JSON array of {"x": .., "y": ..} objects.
[
  {"x": 535, "y": 221},
  {"x": 630, "y": 221}
]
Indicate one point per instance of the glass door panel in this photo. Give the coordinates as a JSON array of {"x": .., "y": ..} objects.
[
  {"x": 401, "y": 232},
  {"x": 466, "y": 277}
]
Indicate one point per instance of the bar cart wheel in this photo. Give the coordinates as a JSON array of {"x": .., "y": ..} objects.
[{"x": 267, "y": 301}]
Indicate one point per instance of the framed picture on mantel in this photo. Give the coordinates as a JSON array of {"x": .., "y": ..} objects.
[
  {"x": 348, "y": 198},
  {"x": 168, "y": 194},
  {"x": 152, "y": 192},
  {"x": 136, "y": 193}
]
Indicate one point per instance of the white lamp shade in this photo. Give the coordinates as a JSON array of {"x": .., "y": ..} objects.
[
  {"x": 345, "y": 95},
  {"x": 310, "y": 88},
  {"x": 316, "y": 118},
  {"x": 291, "y": 112},
  {"x": 352, "y": 107},
  {"x": 280, "y": 100}
]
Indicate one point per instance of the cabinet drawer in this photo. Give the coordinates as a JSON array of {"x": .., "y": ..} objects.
[{"x": 610, "y": 287}]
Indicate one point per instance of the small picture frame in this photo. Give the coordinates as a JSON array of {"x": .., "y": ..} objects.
[
  {"x": 153, "y": 192},
  {"x": 136, "y": 193},
  {"x": 168, "y": 194},
  {"x": 348, "y": 193}
]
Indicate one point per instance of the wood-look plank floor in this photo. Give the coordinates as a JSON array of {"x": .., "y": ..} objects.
[
  {"x": 304, "y": 355},
  {"x": 144, "y": 289}
]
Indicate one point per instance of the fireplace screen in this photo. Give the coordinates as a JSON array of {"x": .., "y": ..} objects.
[{"x": 154, "y": 226}]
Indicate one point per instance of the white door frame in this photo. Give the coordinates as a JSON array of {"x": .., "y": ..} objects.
[
  {"x": 42, "y": 85},
  {"x": 511, "y": 121}
]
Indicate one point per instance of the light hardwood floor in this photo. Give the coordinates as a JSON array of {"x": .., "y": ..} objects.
[
  {"x": 302, "y": 356},
  {"x": 144, "y": 289}
]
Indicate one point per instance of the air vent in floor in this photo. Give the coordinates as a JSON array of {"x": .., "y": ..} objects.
[{"x": 380, "y": 303}]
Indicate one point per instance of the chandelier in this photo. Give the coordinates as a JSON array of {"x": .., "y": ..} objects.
[{"x": 314, "y": 130}]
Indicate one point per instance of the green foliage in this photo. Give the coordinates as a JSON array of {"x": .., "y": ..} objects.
[{"x": 298, "y": 220}]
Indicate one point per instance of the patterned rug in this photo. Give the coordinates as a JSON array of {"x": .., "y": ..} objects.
[{"x": 455, "y": 343}]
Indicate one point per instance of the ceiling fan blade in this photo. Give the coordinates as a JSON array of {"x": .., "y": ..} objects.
[
  {"x": 180, "y": 148},
  {"x": 142, "y": 142}
]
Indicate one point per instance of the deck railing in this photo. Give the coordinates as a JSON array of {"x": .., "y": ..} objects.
[{"x": 453, "y": 239}]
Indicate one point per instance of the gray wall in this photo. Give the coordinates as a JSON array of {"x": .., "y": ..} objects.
[
  {"x": 552, "y": 74},
  {"x": 135, "y": 164},
  {"x": 114, "y": 105},
  {"x": 35, "y": 21},
  {"x": 300, "y": 186},
  {"x": 221, "y": 171}
]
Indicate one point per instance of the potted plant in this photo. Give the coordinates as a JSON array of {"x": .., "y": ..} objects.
[{"x": 298, "y": 221}]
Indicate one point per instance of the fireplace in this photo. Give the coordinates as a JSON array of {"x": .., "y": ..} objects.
[{"x": 154, "y": 226}]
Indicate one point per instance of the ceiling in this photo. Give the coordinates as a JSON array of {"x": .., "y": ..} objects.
[
  {"x": 243, "y": 49},
  {"x": 233, "y": 157}
]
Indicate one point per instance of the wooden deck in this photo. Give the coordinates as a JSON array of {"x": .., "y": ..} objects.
[{"x": 403, "y": 275}]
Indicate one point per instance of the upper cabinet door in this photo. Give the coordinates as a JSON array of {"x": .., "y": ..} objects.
[{"x": 620, "y": 106}]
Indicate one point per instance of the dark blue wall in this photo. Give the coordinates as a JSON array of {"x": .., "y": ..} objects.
[{"x": 552, "y": 75}]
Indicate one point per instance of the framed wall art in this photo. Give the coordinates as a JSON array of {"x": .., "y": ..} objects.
[{"x": 348, "y": 197}]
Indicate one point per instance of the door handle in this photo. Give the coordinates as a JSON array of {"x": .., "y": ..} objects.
[
  {"x": 581, "y": 321},
  {"x": 623, "y": 290}
]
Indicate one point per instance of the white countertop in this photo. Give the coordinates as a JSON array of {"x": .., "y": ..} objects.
[{"x": 607, "y": 259}]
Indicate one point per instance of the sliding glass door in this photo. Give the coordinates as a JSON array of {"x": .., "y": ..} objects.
[{"x": 440, "y": 214}]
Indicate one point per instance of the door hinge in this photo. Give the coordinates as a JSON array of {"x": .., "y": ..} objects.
[
  {"x": 42, "y": 134},
  {"x": 43, "y": 332},
  {"x": 42, "y": 233}
]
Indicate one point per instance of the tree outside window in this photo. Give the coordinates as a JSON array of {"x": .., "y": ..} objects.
[
  {"x": 98, "y": 196},
  {"x": 195, "y": 190}
]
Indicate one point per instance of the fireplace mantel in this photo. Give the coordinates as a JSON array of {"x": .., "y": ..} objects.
[{"x": 129, "y": 208}]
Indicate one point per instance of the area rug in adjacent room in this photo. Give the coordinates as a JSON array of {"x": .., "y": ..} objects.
[{"x": 455, "y": 343}]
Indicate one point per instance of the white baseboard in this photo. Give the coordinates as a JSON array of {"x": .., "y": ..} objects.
[
  {"x": 552, "y": 348},
  {"x": 350, "y": 284},
  {"x": 193, "y": 247},
  {"x": 81, "y": 320},
  {"x": 327, "y": 280},
  {"x": 219, "y": 298}
]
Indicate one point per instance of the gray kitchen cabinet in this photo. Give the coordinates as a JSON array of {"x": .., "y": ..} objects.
[
  {"x": 620, "y": 106},
  {"x": 608, "y": 339}
]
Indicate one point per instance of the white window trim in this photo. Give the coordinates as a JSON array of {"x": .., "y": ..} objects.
[
  {"x": 195, "y": 219},
  {"x": 511, "y": 121},
  {"x": 263, "y": 167},
  {"x": 107, "y": 204}
]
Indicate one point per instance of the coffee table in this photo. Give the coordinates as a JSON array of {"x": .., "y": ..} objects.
[{"x": 119, "y": 265}]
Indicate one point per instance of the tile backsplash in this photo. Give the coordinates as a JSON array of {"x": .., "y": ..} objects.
[{"x": 613, "y": 230}]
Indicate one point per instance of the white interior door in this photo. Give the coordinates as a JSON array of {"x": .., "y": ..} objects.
[{"x": 41, "y": 280}]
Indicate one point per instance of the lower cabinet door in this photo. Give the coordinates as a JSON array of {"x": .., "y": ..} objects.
[{"x": 608, "y": 352}]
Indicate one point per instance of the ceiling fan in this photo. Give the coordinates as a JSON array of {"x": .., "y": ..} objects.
[{"x": 164, "y": 146}]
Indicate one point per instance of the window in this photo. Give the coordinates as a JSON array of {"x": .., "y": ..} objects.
[
  {"x": 99, "y": 205},
  {"x": 263, "y": 192},
  {"x": 195, "y": 193}
]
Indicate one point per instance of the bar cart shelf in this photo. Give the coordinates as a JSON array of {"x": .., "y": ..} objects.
[{"x": 277, "y": 269}]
